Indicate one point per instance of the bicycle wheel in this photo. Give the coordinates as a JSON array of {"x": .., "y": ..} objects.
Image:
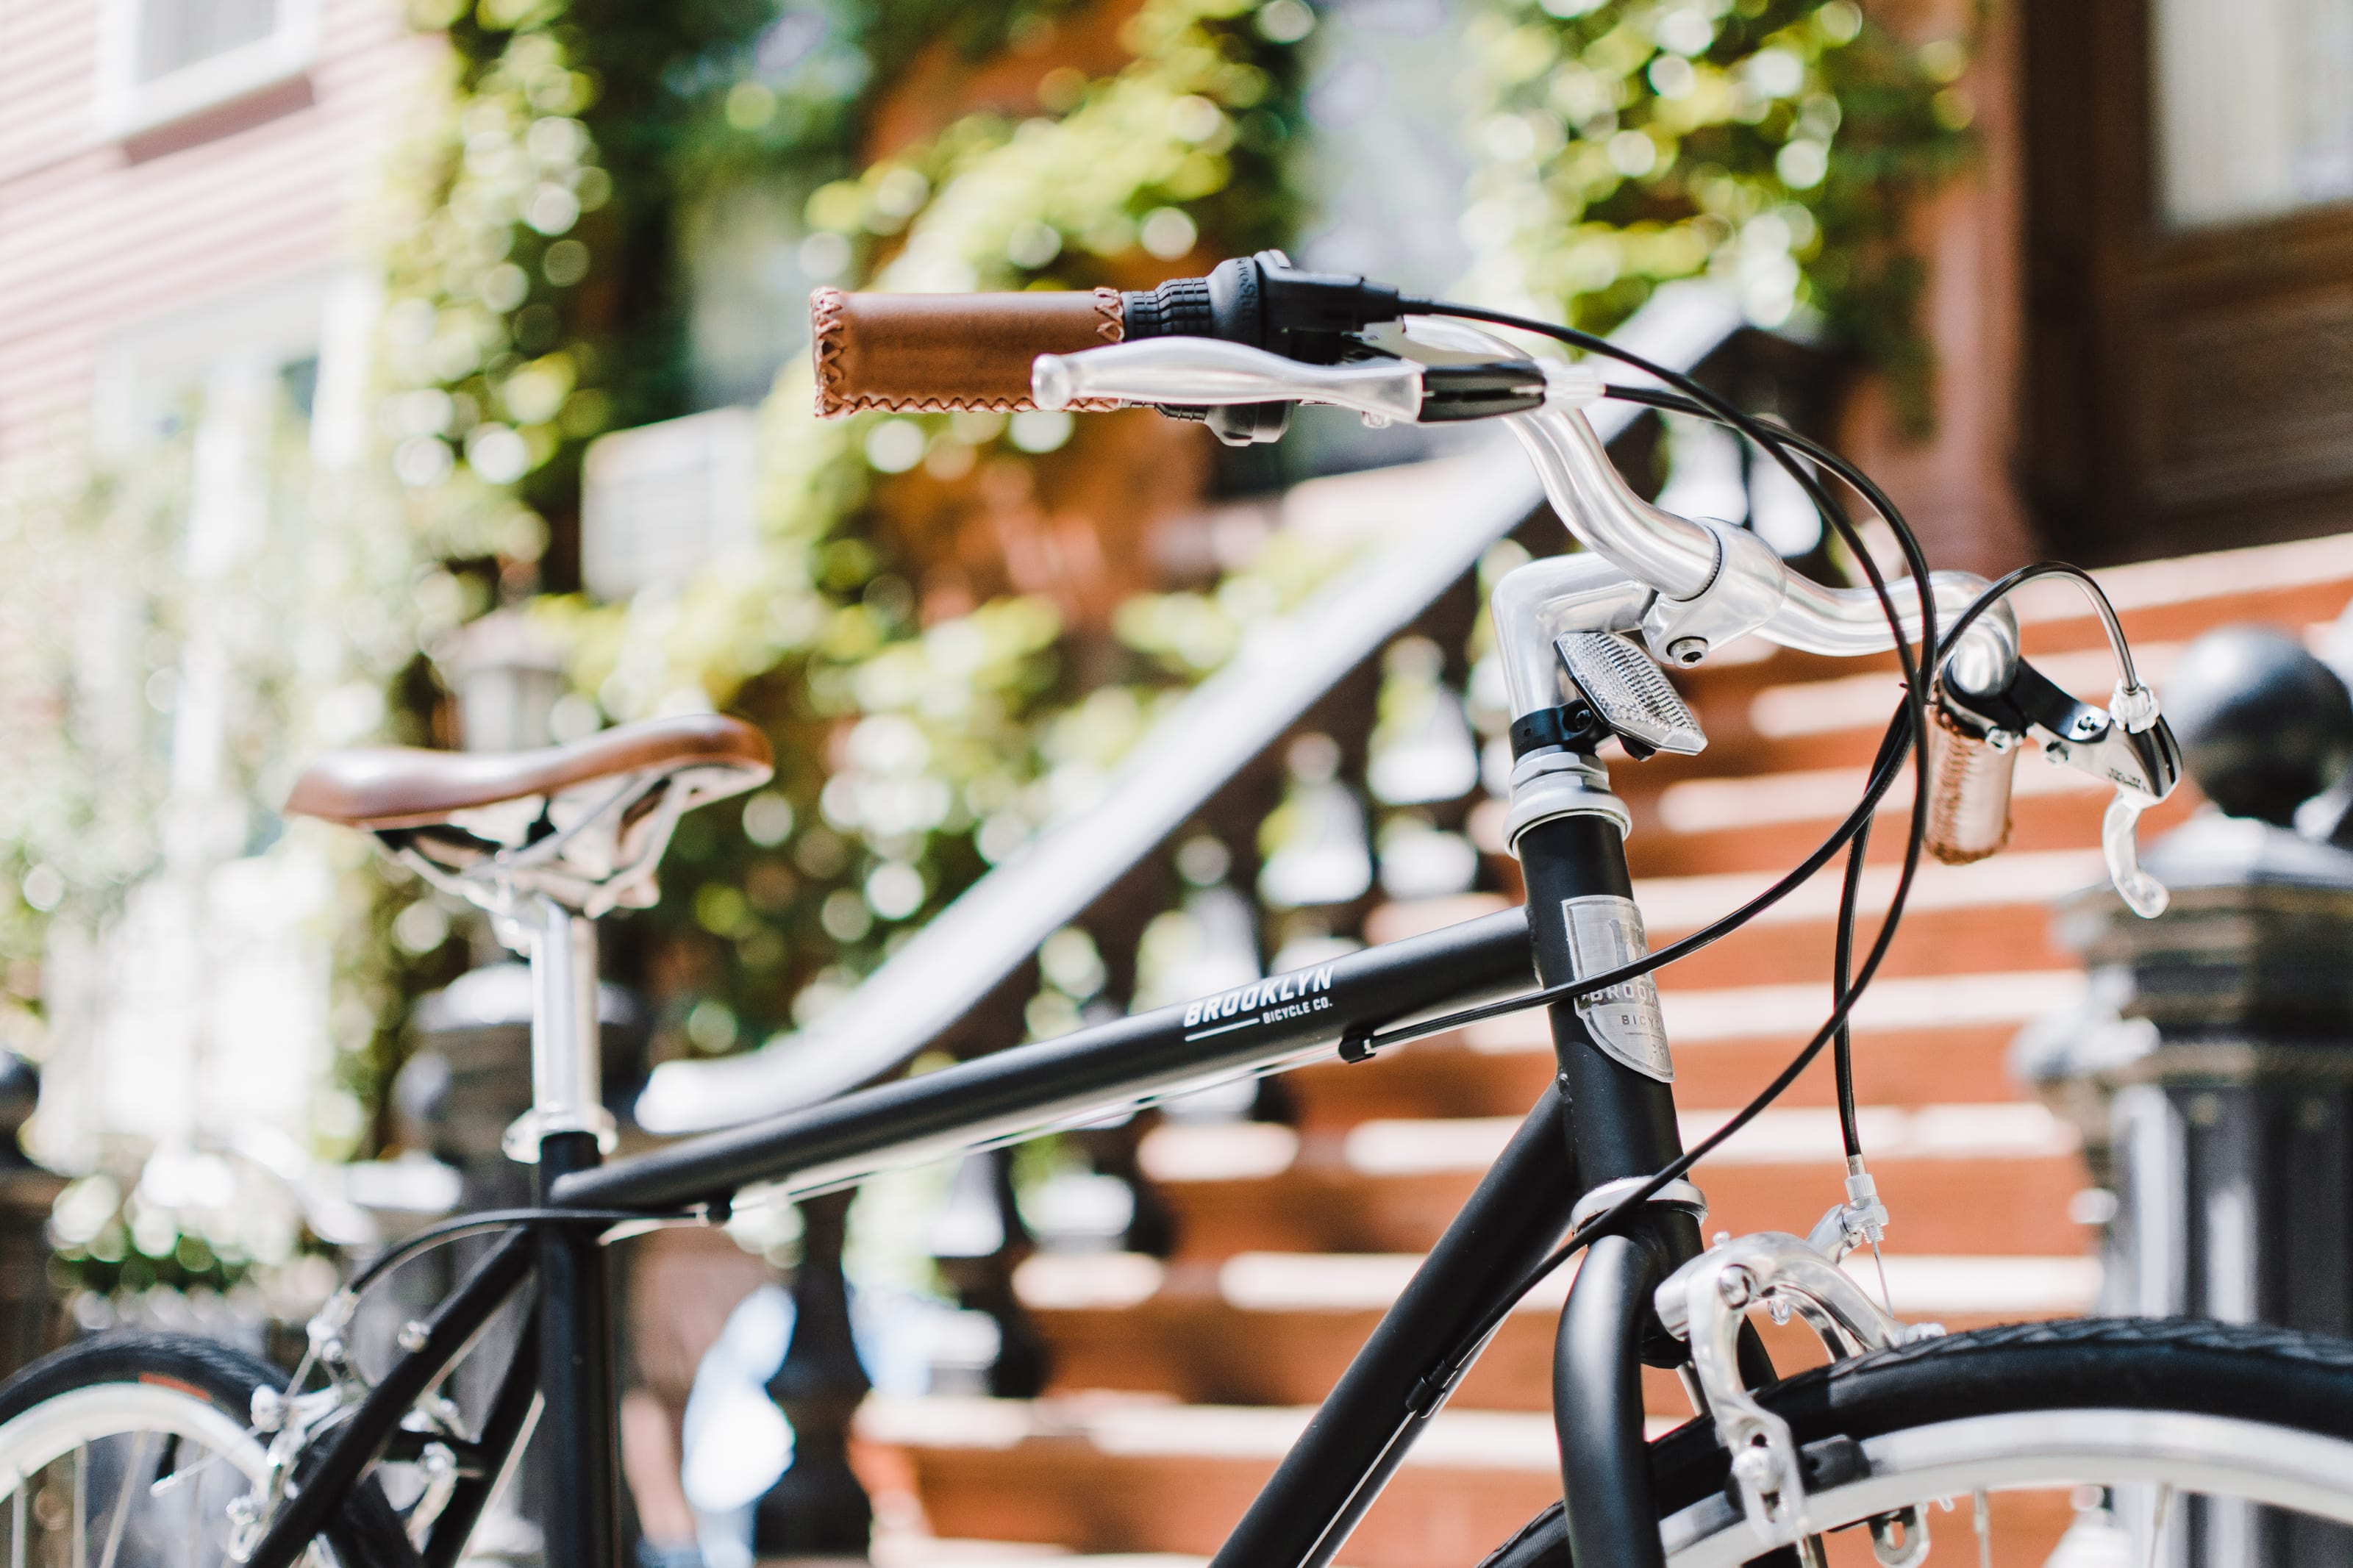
[
  {"x": 124, "y": 1451},
  {"x": 2069, "y": 1443}
]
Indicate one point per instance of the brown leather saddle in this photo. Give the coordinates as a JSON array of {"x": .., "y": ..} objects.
[{"x": 583, "y": 824}]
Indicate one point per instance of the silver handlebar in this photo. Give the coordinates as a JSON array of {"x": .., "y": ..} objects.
[
  {"x": 1717, "y": 583},
  {"x": 1713, "y": 583},
  {"x": 1208, "y": 373},
  {"x": 1688, "y": 587}
]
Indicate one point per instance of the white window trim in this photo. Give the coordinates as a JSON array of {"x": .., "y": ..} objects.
[
  {"x": 326, "y": 311},
  {"x": 127, "y": 106}
]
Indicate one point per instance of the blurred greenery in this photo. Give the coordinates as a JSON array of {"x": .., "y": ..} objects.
[
  {"x": 537, "y": 234},
  {"x": 1776, "y": 146},
  {"x": 913, "y": 755}
]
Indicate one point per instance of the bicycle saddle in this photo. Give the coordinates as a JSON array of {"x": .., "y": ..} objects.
[{"x": 581, "y": 824}]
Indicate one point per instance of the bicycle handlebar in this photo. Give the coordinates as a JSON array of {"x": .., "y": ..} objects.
[{"x": 1239, "y": 347}]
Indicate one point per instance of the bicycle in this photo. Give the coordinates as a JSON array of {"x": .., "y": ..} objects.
[{"x": 162, "y": 1442}]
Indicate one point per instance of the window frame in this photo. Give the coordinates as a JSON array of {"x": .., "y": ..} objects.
[
  {"x": 2158, "y": 415},
  {"x": 128, "y": 107}
]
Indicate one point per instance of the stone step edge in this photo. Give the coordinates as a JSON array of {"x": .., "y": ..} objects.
[
  {"x": 1146, "y": 1427},
  {"x": 1701, "y": 1017},
  {"x": 1920, "y": 1285},
  {"x": 2023, "y": 879},
  {"x": 1177, "y": 1152}
]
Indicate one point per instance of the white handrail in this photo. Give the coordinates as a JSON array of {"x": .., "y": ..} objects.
[{"x": 1282, "y": 670}]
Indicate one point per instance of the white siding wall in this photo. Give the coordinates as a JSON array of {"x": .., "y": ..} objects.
[{"x": 100, "y": 233}]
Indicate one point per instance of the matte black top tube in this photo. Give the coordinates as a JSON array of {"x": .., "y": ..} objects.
[{"x": 1270, "y": 1024}]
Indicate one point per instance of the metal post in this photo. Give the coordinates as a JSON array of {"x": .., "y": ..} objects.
[
  {"x": 978, "y": 1242},
  {"x": 2213, "y": 1075},
  {"x": 30, "y": 1319},
  {"x": 818, "y": 1508}
]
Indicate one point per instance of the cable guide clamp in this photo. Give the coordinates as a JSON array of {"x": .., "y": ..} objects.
[{"x": 1705, "y": 1303}]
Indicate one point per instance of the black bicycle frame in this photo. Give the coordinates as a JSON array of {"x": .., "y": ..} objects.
[{"x": 1601, "y": 1121}]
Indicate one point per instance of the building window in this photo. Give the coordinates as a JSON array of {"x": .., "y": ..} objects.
[
  {"x": 2254, "y": 108},
  {"x": 166, "y": 60},
  {"x": 308, "y": 332}
]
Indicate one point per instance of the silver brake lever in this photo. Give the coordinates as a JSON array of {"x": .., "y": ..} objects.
[
  {"x": 2128, "y": 744},
  {"x": 2132, "y": 747},
  {"x": 2142, "y": 893}
]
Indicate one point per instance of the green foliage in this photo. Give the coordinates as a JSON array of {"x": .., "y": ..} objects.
[
  {"x": 1773, "y": 144},
  {"x": 915, "y": 749},
  {"x": 529, "y": 236},
  {"x": 282, "y": 612},
  {"x": 916, "y": 755}
]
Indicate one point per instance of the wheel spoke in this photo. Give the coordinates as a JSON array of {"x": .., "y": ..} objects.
[
  {"x": 1984, "y": 1510},
  {"x": 80, "y": 1521},
  {"x": 172, "y": 1482},
  {"x": 128, "y": 1489},
  {"x": 2158, "y": 1516},
  {"x": 19, "y": 1500}
]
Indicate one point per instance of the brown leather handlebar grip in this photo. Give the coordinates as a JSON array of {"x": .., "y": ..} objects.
[
  {"x": 949, "y": 354},
  {"x": 1968, "y": 791}
]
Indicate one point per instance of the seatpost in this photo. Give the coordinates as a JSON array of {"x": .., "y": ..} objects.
[
  {"x": 566, "y": 1130},
  {"x": 566, "y": 1087}
]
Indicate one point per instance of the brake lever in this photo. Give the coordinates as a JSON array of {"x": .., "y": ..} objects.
[{"x": 2128, "y": 744}]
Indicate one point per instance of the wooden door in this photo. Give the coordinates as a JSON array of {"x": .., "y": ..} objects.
[{"x": 2188, "y": 354}]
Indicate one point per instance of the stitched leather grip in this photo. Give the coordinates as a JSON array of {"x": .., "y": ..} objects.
[{"x": 940, "y": 354}]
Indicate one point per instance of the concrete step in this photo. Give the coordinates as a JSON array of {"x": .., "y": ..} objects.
[
  {"x": 1136, "y": 1474},
  {"x": 1984, "y": 1179},
  {"x": 1118, "y": 1473},
  {"x": 1266, "y": 1328},
  {"x": 1946, "y": 929},
  {"x": 1447, "y": 1077},
  {"x": 2051, "y": 810},
  {"x": 1974, "y": 959},
  {"x": 1918, "y": 1040}
]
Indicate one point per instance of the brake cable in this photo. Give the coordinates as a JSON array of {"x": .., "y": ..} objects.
[{"x": 1908, "y": 727}]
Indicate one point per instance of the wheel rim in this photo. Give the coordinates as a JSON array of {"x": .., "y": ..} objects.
[
  {"x": 2158, "y": 1453},
  {"x": 123, "y": 1474}
]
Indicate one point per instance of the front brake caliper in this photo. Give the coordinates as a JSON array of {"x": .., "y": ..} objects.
[{"x": 1705, "y": 1303}]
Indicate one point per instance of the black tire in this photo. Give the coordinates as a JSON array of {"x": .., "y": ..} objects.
[
  {"x": 2292, "y": 1382},
  {"x": 366, "y": 1533}
]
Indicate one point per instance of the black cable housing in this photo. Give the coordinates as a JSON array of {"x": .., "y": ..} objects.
[
  {"x": 1909, "y": 726},
  {"x": 485, "y": 1221}
]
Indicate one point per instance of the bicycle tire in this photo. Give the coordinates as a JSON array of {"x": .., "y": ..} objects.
[
  {"x": 2265, "y": 1415},
  {"x": 161, "y": 1368}
]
